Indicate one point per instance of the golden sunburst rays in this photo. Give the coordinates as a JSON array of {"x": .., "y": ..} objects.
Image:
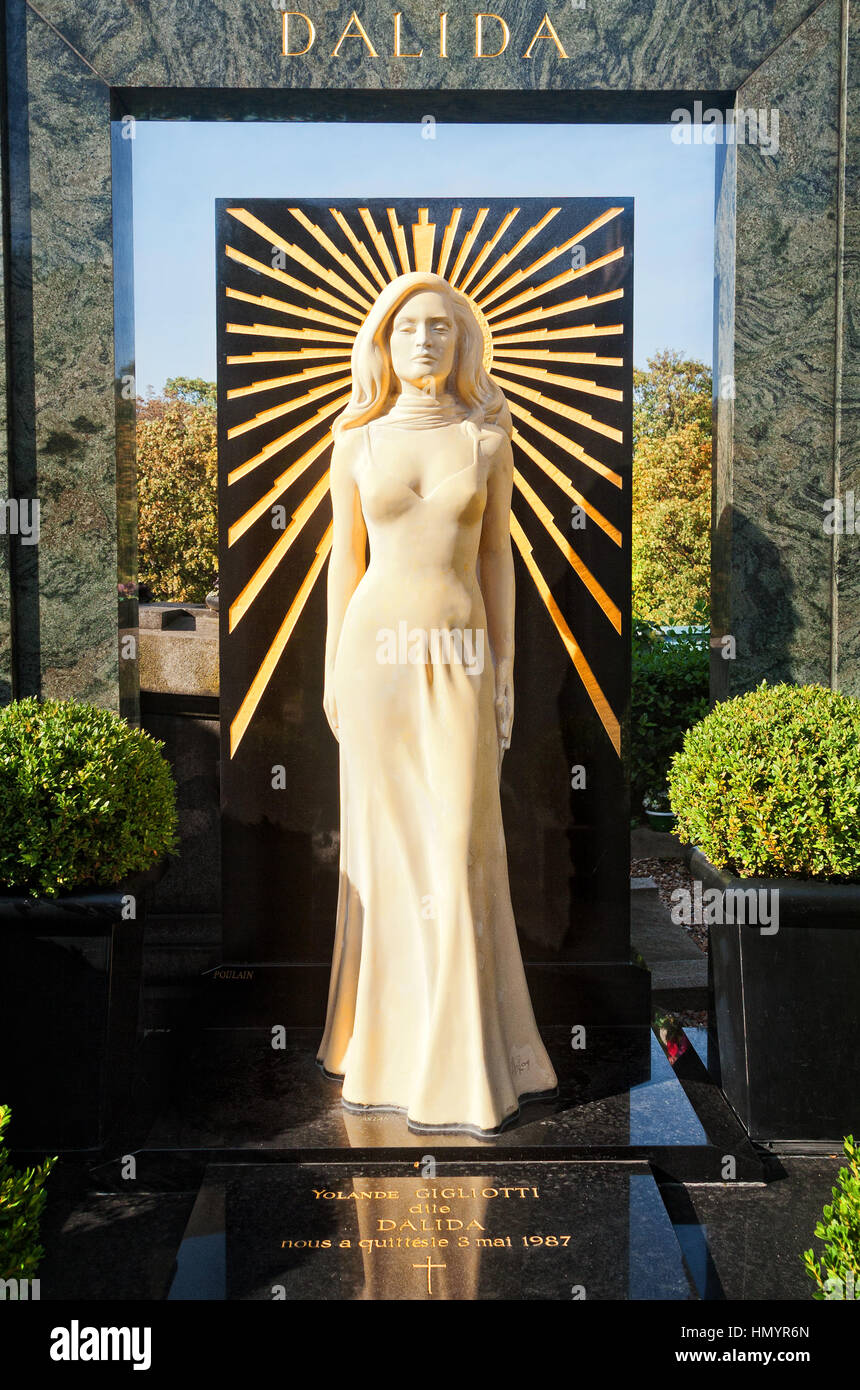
[
  {"x": 324, "y": 276},
  {"x": 266, "y": 670},
  {"x": 592, "y": 687}
]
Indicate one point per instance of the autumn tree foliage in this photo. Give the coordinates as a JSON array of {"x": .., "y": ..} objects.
[
  {"x": 671, "y": 490},
  {"x": 177, "y": 491}
]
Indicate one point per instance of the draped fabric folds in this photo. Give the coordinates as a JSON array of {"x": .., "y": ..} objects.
[{"x": 428, "y": 1008}]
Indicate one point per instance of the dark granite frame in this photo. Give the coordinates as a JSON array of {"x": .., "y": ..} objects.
[{"x": 786, "y": 282}]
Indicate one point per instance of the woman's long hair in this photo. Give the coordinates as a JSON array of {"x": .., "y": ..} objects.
[{"x": 374, "y": 385}]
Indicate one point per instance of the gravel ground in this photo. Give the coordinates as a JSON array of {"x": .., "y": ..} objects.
[{"x": 691, "y": 1018}]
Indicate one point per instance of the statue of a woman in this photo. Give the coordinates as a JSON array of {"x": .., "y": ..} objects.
[{"x": 428, "y": 1009}]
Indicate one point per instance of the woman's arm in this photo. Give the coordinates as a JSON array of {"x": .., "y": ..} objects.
[
  {"x": 497, "y": 582},
  {"x": 347, "y": 560}
]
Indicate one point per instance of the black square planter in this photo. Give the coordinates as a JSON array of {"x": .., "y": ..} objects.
[
  {"x": 70, "y": 1020},
  {"x": 783, "y": 1010}
]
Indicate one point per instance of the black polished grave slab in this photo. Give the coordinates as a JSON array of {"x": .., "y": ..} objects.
[
  {"x": 229, "y": 1095},
  {"x": 566, "y": 1231}
]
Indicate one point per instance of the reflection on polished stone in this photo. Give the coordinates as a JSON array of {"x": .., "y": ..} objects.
[
  {"x": 545, "y": 1230},
  {"x": 230, "y": 1089}
]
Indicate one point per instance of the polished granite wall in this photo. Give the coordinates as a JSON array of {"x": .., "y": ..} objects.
[
  {"x": 63, "y": 420},
  {"x": 848, "y": 556},
  {"x": 5, "y": 594},
  {"x": 618, "y": 45},
  {"x": 789, "y": 595},
  {"x": 777, "y": 591}
]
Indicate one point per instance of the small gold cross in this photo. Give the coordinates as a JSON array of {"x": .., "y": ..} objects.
[{"x": 429, "y": 1265}]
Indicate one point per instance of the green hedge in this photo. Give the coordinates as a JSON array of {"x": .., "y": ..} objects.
[
  {"x": 769, "y": 784},
  {"x": 669, "y": 693},
  {"x": 22, "y": 1197},
  {"x": 837, "y": 1274},
  {"x": 85, "y": 799}
]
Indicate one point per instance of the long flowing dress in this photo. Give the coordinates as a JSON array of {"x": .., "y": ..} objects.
[{"x": 428, "y": 1008}]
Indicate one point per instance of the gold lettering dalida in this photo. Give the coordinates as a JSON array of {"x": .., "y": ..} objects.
[
  {"x": 397, "y": 53},
  {"x": 546, "y": 24},
  {"x": 361, "y": 34},
  {"x": 312, "y": 33},
  {"x": 440, "y": 1224},
  {"x": 354, "y": 29},
  {"x": 479, "y": 34}
]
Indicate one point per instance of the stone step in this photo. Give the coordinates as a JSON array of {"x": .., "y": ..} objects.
[{"x": 679, "y": 969}]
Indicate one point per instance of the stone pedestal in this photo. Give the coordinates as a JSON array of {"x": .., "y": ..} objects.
[{"x": 178, "y": 646}]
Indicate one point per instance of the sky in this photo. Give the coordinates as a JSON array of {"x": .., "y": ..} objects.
[{"x": 181, "y": 167}]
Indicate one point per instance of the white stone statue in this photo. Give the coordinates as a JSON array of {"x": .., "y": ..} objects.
[{"x": 428, "y": 1008}]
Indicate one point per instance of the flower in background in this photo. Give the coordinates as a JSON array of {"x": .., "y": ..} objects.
[{"x": 672, "y": 1036}]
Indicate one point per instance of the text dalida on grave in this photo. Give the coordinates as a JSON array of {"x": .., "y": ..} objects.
[{"x": 487, "y": 36}]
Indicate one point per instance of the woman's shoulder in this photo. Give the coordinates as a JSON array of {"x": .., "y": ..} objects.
[
  {"x": 493, "y": 440},
  {"x": 350, "y": 430},
  {"x": 348, "y": 447},
  {"x": 349, "y": 440}
]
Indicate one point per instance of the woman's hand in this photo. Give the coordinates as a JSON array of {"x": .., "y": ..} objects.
[
  {"x": 330, "y": 706},
  {"x": 504, "y": 704}
]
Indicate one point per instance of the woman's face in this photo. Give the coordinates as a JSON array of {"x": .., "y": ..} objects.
[{"x": 423, "y": 340}]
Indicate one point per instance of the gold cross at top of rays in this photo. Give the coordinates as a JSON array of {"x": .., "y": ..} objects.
[{"x": 519, "y": 351}]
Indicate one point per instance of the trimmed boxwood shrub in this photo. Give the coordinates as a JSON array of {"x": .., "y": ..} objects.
[
  {"x": 22, "y": 1198},
  {"x": 85, "y": 799},
  {"x": 837, "y": 1274},
  {"x": 669, "y": 693},
  {"x": 768, "y": 784}
]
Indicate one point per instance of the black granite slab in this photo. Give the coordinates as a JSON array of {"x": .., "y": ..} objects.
[
  {"x": 560, "y": 1231},
  {"x": 227, "y": 1095},
  {"x": 107, "y": 1237},
  {"x": 726, "y": 1135},
  {"x": 755, "y": 1237},
  {"x": 233, "y": 1089},
  {"x": 114, "y": 1246}
]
